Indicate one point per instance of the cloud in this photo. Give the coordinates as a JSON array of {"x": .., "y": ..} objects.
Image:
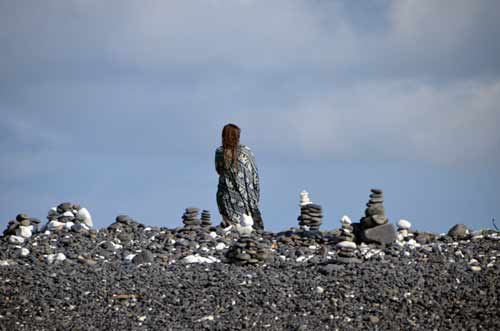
[
  {"x": 391, "y": 120},
  {"x": 423, "y": 81}
]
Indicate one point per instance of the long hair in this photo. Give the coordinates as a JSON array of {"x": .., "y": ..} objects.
[{"x": 230, "y": 142}]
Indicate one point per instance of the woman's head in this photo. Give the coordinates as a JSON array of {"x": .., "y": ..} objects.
[{"x": 230, "y": 141}]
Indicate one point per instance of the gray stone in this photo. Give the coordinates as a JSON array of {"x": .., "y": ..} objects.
[
  {"x": 376, "y": 200},
  {"x": 459, "y": 231},
  {"x": 347, "y": 260},
  {"x": 64, "y": 207},
  {"x": 143, "y": 257},
  {"x": 383, "y": 234},
  {"x": 375, "y": 209},
  {"x": 21, "y": 217},
  {"x": 379, "y": 219},
  {"x": 330, "y": 268},
  {"x": 377, "y": 191}
]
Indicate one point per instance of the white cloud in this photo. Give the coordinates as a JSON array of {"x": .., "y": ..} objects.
[{"x": 392, "y": 120}]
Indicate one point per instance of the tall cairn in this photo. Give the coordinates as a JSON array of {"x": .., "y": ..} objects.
[
  {"x": 375, "y": 227},
  {"x": 311, "y": 215}
]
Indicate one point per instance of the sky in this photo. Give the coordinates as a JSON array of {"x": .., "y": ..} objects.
[{"x": 119, "y": 106}]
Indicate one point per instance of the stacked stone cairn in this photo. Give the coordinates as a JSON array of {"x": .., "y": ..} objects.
[
  {"x": 247, "y": 250},
  {"x": 21, "y": 228},
  {"x": 206, "y": 222},
  {"x": 311, "y": 215},
  {"x": 404, "y": 230},
  {"x": 374, "y": 225},
  {"x": 346, "y": 246},
  {"x": 69, "y": 216},
  {"x": 190, "y": 218}
]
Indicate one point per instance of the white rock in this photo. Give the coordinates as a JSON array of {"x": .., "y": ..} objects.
[
  {"x": 55, "y": 225},
  {"x": 245, "y": 225},
  {"x": 475, "y": 268},
  {"x": 345, "y": 220},
  {"x": 206, "y": 318},
  {"x": 4, "y": 263},
  {"x": 300, "y": 258},
  {"x": 411, "y": 242},
  {"x": 198, "y": 259},
  {"x": 50, "y": 258},
  {"x": 213, "y": 234},
  {"x": 25, "y": 231},
  {"x": 68, "y": 225},
  {"x": 304, "y": 198},
  {"x": 16, "y": 240},
  {"x": 346, "y": 244},
  {"x": 85, "y": 216},
  {"x": 60, "y": 257},
  {"x": 115, "y": 246},
  {"x": 25, "y": 252},
  {"x": 220, "y": 246},
  {"x": 129, "y": 257},
  {"x": 53, "y": 209},
  {"x": 320, "y": 290},
  {"x": 403, "y": 232},
  {"x": 68, "y": 214},
  {"x": 404, "y": 224}
]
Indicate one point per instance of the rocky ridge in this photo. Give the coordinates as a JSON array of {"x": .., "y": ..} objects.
[{"x": 199, "y": 276}]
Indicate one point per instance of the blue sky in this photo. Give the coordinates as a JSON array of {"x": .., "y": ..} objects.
[{"x": 119, "y": 105}]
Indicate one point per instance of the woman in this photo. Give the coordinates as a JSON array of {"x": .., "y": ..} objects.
[{"x": 238, "y": 191}]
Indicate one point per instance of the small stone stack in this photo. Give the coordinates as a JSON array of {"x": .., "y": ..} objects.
[
  {"x": 190, "y": 218},
  {"x": 311, "y": 217},
  {"x": 374, "y": 225},
  {"x": 346, "y": 247},
  {"x": 205, "y": 219},
  {"x": 404, "y": 230},
  {"x": 69, "y": 216},
  {"x": 21, "y": 228},
  {"x": 247, "y": 250},
  {"x": 374, "y": 213},
  {"x": 346, "y": 230}
]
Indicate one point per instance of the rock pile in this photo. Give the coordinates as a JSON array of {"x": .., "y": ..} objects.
[
  {"x": 21, "y": 228},
  {"x": 70, "y": 216},
  {"x": 311, "y": 215},
  {"x": 374, "y": 225},
  {"x": 404, "y": 230},
  {"x": 190, "y": 218},
  {"x": 205, "y": 219},
  {"x": 247, "y": 250},
  {"x": 346, "y": 247}
]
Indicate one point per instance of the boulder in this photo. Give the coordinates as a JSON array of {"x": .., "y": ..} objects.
[
  {"x": 459, "y": 231},
  {"x": 383, "y": 234}
]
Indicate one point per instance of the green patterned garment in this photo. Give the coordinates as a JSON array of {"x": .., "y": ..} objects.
[{"x": 238, "y": 191}]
